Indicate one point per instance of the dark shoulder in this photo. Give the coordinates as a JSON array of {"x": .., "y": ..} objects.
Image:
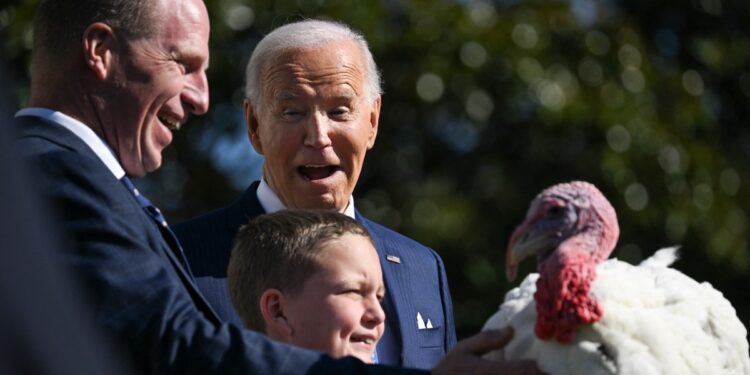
[
  {"x": 55, "y": 166},
  {"x": 37, "y": 147},
  {"x": 207, "y": 242},
  {"x": 52, "y": 148},
  {"x": 79, "y": 189},
  {"x": 221, "y": 221},
  {"x": 213, "y": 219}
]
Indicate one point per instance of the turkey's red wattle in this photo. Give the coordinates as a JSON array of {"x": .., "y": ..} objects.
[{"x": 563, "y": 301}]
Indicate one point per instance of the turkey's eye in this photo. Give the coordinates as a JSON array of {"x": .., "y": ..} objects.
[{"x": 555, "y": 211}]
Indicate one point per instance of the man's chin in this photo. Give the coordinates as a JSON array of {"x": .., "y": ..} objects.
[
  {"x": 151, "y": 165},
  {"x": 135, "y": 171},
  {"x": 319, "y": 199},
  {"x": 140, "y": 169},
  {"x": 320, "y": 205},
  {"x": 334, "y": 203}
]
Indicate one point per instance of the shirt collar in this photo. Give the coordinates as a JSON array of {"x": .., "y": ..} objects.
[
  {"x": 85, "y": 133},
  {"x": 271, "y": 202}
]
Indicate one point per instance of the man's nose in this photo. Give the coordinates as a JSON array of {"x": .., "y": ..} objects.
[
  {"x": 317, "y": 130},
  {"x": 195, "y": 93}
]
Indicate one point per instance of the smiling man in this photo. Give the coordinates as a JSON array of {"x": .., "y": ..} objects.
[
  {"x": 312, "y": 108},
  {"x": 131, "y": 104},
  {"x": 111, "y": 81}
]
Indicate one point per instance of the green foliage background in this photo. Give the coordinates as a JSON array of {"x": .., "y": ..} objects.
[{"x": 488, "y": 102}]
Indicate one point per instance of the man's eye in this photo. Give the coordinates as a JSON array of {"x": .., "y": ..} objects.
[
  {"x": 183, "y": 69},
  {"x": 184, "y": 65},
  {"x": 339, "y": 112},
  {"x": 292, "y": 113}
]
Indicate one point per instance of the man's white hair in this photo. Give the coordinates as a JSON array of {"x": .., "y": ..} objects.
[{"x": 307, "y": 34}]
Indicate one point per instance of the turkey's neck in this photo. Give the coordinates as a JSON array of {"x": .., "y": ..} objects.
[{"x": 563, "y": 299}]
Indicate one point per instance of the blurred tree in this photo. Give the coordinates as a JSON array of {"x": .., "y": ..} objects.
[{"x": 488, "y": 102}]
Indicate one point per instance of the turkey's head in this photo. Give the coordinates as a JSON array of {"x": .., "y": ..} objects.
[{"x": 570, "y": 228}]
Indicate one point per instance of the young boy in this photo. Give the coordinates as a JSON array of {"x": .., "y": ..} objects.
[{"x": 310, "y": 278}]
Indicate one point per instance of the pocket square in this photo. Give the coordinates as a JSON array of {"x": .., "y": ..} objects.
[{"x": 421, "y": 323}]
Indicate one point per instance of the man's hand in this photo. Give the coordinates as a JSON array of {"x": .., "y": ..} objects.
[{"x": 466, "y": 357}]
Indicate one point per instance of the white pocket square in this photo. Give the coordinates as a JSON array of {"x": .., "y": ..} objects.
[{"x": 421, "y": 324}]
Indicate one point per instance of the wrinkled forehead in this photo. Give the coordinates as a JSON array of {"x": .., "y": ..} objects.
[{"x": 331, "y": 65}]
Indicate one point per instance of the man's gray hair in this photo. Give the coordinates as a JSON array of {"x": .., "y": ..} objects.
[{"x": 307, "y": 34}]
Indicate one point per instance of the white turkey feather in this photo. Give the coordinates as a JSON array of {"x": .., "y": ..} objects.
[{"x": 657, "y": 321}]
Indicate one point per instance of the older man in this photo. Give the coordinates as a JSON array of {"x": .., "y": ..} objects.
[
  {"x": 312, "y": 108},
  {"x": 111, "y": 81}
]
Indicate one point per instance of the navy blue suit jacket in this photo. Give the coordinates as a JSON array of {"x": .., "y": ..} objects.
[
  {"x": 142, "y": 294},
  {"x": 415, "y": 284}
]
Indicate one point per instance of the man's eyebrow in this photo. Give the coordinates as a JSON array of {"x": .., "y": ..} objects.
[
  {"x": 290, "y": 95},
  {"x": 345, "y": 95},
  {"x": 192, "y": 56},
  {"x": 287, "y": 95}
]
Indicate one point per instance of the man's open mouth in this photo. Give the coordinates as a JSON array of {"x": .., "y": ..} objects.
[
  {"x": 172, "y": 123},
  {"x": 317, "y": 172}
]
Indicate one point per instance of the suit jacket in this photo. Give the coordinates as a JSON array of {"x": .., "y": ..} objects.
[
  {"x": 44, "y": 325},
  {"x": 414, "y": 278},
  {"x": 142, "y": 295}
]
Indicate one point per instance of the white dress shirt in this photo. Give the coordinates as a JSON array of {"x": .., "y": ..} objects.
[{"x": 271, "y": 202}]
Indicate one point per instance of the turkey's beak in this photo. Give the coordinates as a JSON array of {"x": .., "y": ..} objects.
[
  {"x": 517, "y": 251},
  {"x": 527, "y": 240}
]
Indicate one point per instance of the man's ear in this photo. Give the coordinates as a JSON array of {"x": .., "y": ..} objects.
[
  {"x": 272, "y": 304},
  {"x": 251, "y": 122},
  {"x": 374, "y": 118},
  {"x": 98, "y": 45}
]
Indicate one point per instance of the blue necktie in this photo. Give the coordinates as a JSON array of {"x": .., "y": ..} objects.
[{"x": 155, "y": 214}]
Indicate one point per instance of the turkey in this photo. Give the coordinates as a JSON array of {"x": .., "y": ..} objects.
[{"x": 584, "y": 314}]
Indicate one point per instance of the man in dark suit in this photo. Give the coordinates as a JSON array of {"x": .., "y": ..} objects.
[
  {"x": 111, "y": 81},
  {"x": 312, "y": 108},
  {"x": 45, "y": 326}
]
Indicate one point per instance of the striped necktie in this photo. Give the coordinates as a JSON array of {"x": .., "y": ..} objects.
[{"x": 156, "y": 215}]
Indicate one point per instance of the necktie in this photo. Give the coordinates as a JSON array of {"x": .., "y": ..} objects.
[{"x": 156, "y": 215}]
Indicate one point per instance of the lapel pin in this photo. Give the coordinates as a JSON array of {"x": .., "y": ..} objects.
[{"x": 393, "y": 258}]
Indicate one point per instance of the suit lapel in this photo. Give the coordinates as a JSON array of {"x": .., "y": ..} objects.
[
  {"x": 244, "y": 208},
  {"x": 55, "y": 133},
  {"x": 189, "y": 282},
  {"x": 395, "y": 274}
]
